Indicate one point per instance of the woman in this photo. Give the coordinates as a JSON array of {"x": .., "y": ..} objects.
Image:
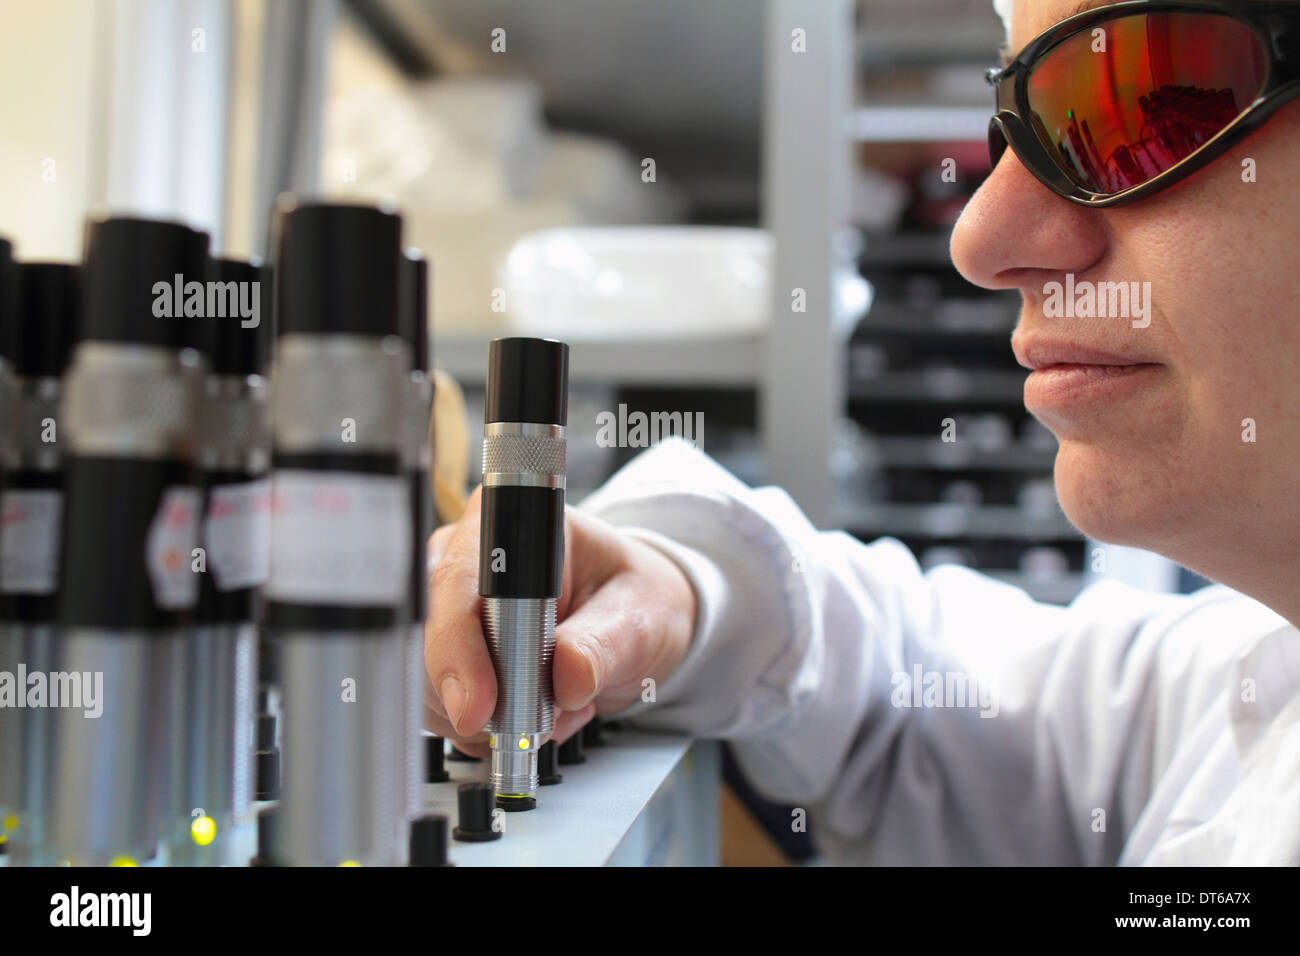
[{"x": 946, "y": 717}]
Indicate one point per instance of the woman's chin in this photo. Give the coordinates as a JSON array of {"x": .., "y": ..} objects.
[{"x": 1108, "y": 497}]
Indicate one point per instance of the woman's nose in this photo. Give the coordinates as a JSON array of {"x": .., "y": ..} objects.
[{"x": 1016, "y": 233}]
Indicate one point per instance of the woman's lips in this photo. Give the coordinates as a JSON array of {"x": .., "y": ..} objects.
[{"x": 1072, "y": 382}]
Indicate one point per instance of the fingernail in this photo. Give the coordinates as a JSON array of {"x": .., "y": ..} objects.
[
  {"x": 453, "y": 698},
  {"x": 591, "y": 667}
]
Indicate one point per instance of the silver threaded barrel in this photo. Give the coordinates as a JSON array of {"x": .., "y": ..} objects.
[
  {"x": 521, "y": 641},
  {"x": 30, "y": 735},
  {"x": 109, "y": 772},
  {"x": 11, "y": 725},
  {"x": 413, "y": 708},
  {"x": 342, "y": 795},
  {"x": 214, "y": 724}
]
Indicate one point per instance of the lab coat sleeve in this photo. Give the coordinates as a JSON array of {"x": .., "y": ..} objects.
[{"x": 943, "y": 717}]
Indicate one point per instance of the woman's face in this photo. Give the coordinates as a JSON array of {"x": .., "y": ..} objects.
[{"x": 1155, "y": 457}]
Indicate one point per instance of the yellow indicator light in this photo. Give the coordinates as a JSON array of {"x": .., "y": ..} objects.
[
  {"x": 492, "y": 740},
  {"x": 123, "y": 861},
  {"x": 4, "y": 838},
  {"x": 203, "y": 830},
  {"x": 349, "y": 863},
  {"x": 523, "y": 743},
  {"x": 11, "y": 821}
]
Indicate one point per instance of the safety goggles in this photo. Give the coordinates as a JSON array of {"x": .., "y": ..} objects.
[{"x": 1117, "y": 103}]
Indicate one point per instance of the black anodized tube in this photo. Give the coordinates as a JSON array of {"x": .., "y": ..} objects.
[
  {"x": 415, "y": 329},
  {"x": 528, "y": 381},
  {"x": 47, "y": 306},
  {"x": 9, "y": 325},
  {"x": 9, "y": 344},
  {"x": 235, "y": 348},
  {"x": 522, "y": 542},
  {"x": 337, "y": 274},
  {"x": 133, "y": 270},
  {"x": 338, "y": 271},
  {"x": 135, "y": 279},
  {"x": 102, "y": 587}
]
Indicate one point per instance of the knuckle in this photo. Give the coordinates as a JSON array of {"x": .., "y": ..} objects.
[
  {"x": 602, "y": 642},
  {"x": 448, "y": 573},
  {"x": 640, "y": 629}
]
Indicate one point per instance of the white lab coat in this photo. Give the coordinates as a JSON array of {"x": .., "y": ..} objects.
[{"x": 1129, "y": 727}]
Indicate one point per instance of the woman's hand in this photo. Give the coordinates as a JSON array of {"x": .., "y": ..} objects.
[{"x": 626, "y": 613}]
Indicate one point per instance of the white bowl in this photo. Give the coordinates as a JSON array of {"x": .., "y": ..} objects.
[{"x": 612, "y": 282}]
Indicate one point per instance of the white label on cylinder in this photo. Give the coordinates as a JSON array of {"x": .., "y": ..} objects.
[
  {"x": 339, "y": 538},
  {"x": 169, "y": 549},
  {"x": 237, "y": 534},
  {"x": 29, "y": 540}
]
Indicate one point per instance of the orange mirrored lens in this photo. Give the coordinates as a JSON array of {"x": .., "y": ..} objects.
[{"x": 1127, "y": 100}]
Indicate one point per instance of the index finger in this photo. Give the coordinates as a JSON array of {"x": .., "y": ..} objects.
[{"x": 455, "y": 651}]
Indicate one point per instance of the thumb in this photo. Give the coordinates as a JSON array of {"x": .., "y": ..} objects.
[{"x": 606, "y": 648}]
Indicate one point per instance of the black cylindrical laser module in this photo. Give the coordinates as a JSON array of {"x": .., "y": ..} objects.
[
  {"x": 417, "y": 462},
  {"x": 338, "y": 591},
  {"x": 215, "y": 785},
  {"x": 521, "y": 562},
  {"x": 127, "y": 420},
  {"x": 31, "y": 502}
]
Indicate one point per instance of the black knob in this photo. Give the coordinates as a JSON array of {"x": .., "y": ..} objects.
[
  {"x": 547, "y": 775},
  {"x": 434, "y": 769},
  {"x": 429, "y": 842},
  {"x": 475, "y": 801},
  {"x": 268, "y": 775},
  {"x": 593, "y": 733},
  {"x": 571, "y": 751},
  {"x": 459, "y": 757}
]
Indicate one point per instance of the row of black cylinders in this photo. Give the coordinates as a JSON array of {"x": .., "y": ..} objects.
[{"x": 142, "y": 443}]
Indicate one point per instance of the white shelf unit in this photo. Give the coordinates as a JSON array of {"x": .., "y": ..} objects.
[{"x": 807, "y": 166}]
